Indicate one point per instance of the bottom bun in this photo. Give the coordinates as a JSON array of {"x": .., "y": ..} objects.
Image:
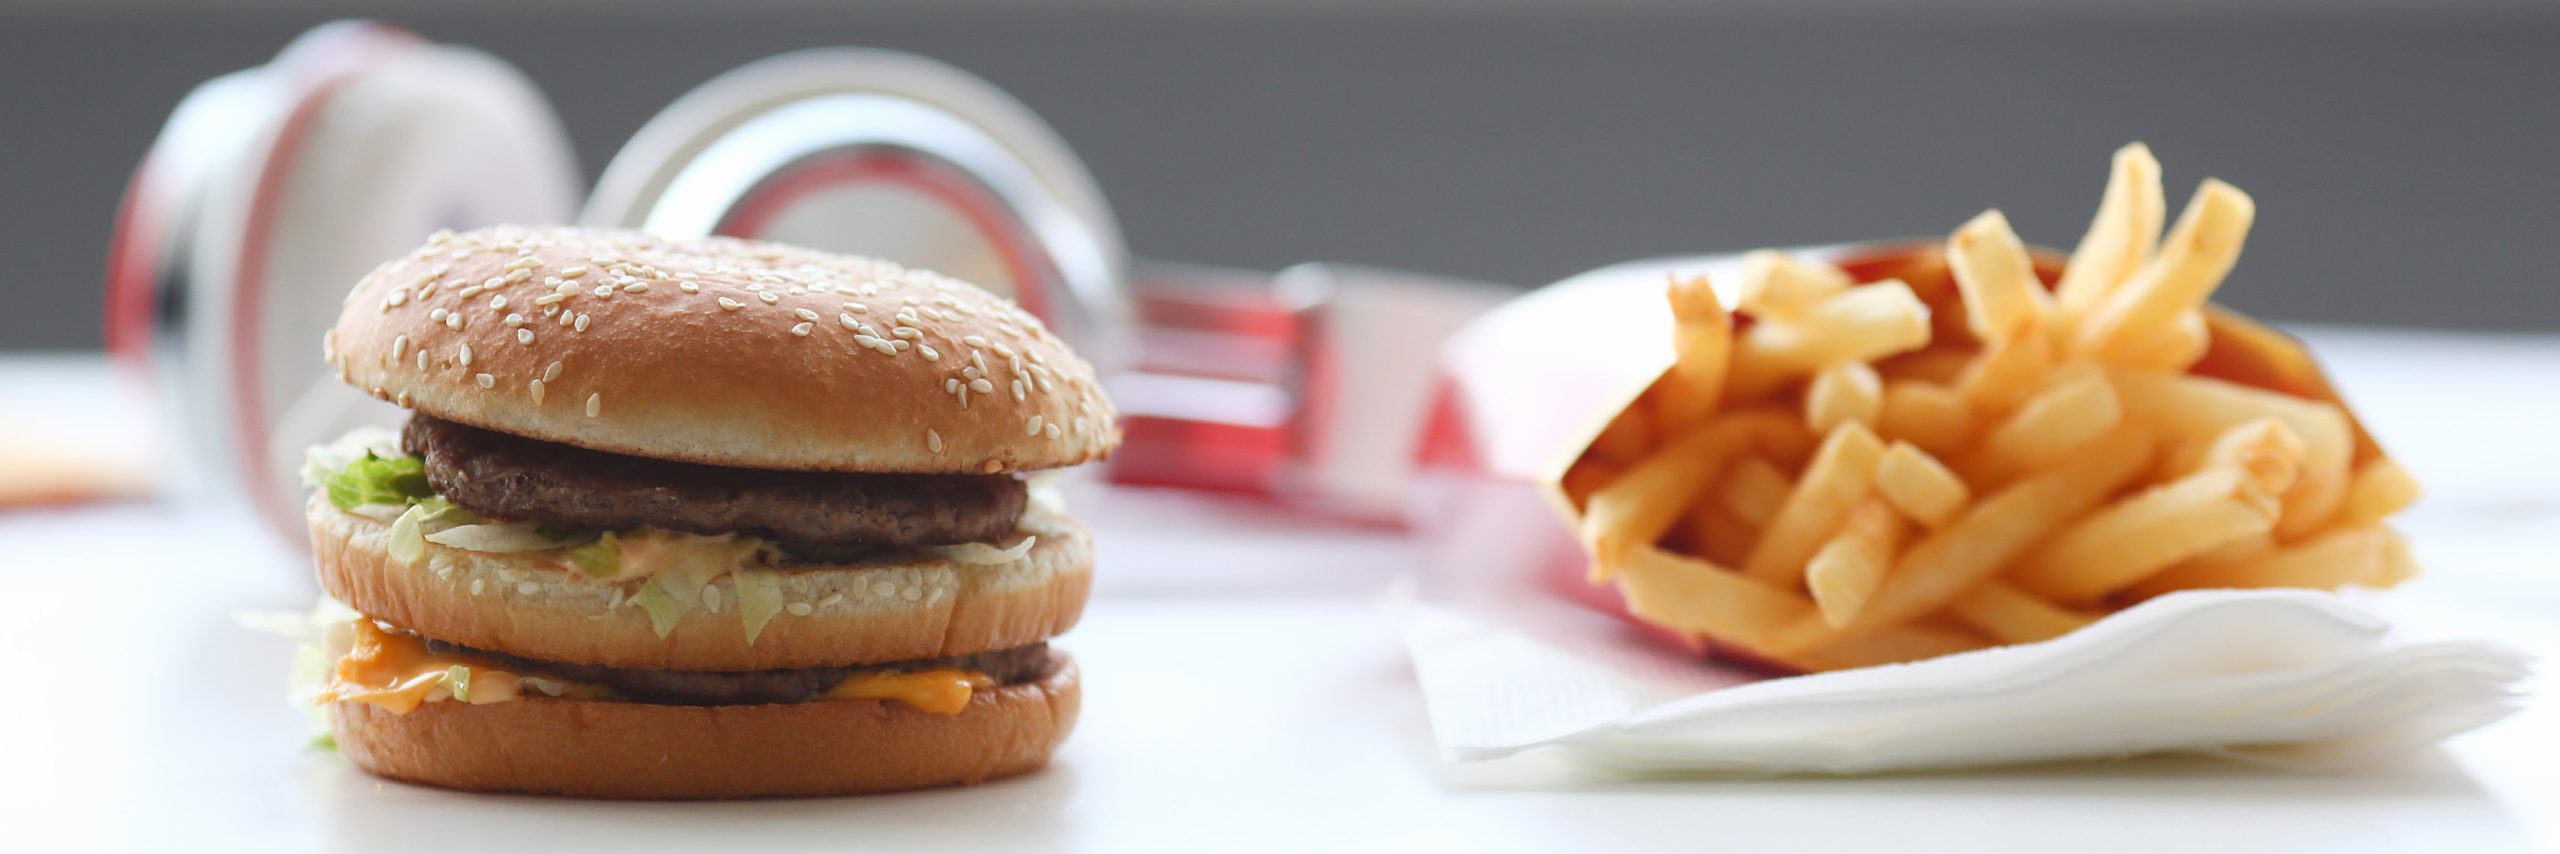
[{"x": 604, "y": 749}]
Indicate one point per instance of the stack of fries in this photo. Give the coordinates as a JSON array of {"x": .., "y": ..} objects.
[{"x": 1968, "y": 445}]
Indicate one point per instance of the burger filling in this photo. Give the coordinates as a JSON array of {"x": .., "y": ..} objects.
[
  {"x": 381, "y": 665},
  {"x": 659, "y": 531}
]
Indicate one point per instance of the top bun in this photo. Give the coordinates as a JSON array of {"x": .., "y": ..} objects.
[{"x": 719, "y": 351}]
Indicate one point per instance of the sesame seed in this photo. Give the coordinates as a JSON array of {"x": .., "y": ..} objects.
[
  {"x": 399, "y": 296},
  {"x": 402, "y": 400},
  {"x": 855, "y": 306},
  {"x": 453, "y": 322},
  {"x": 951, "y": 386},
  {"x": 711, "y": 598},
  {"x": 1002, "y": 350},
  {"x": 797, "y": 609},
  {"x": 906, "y": 332},
  {"x": 514, "y": 320},
  {"x": 689, "y": 287},
  {"x": 466, "y": 355},
  {"x": 850, "y": 323},
  {"x": 573, "y": 272},
  {"x": 1017, "y": 390},
  {"x": 399, "y": 345},
  {"x": 970, "y": 373},
  {"x": 979, "y": 361},
  {"x": 528, "y": 588},
  {"x": 422, "y": 358},
  {"x": 964, "y": 397},
  {"x": 727, "y": 304},
  {"x": 520, "y": 275},
  {"x": 867, "y": 341},
  {"x": 562, "y": 289},
  {"x": 802, "y": 329},
  {"x": 567, "y": 318},
  {"x": 536, "y": 386},
  {"x": 437, "y": 315},
  {"x": 981, "y": 386},
  {"x": 581, "y": 325},
  {"x": 1033, "y": 427},
  {"x": 769, "y": 297},
  {"x": 524, "y": 336},
  {"x": 552, "y": 373},
  {"x": 478, "y": 584},
  {"x": 797, "y": 290},
  {"x": 441, "y": 267},
  {"x": 896, "y": 347},
  {"x": 933, "y": 440},
  {"x": 493, "y": 283},
  {"x": 486, "y": 381},
  {"x": 929, "y": 352},
  {"x": 595, "y": 404},
  {"x": 806, "y": 314},
  {"x": 635, "y": 287},
  {"x": 498, "y": 303},
  {"x": 603, "y": 291},
  {"x": 525, "y": 263},
  {"x": 991, "y": 467},
  {"x": 832, "y": 600},
  {"x": 1053, "y": 430}
]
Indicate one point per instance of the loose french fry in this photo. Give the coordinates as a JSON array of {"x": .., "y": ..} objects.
[
  {"x": 2270, "y": 452},
  {"x": 2011, "y": 615},
  {"x": 2146, "y": 533},
  {"x": 1889, "y": 646},
  {"x": 1754, "y": 490},
  {"x": 1702, "y": 346},
  {"x": 1689, "y": 594},
  {"x": 2056, "y": 420},
  {"x": 1996, "y": 278},
  {"x": 2193, "y": 260},
  {"x": 2399, "y": 563},
  {"x": 1849, "y": 391},
  {"x": 2007, "y": 372},
  {"x": 1718, "y": 535},
  {"x": 2379, "y": 489},
  {"x": 1641, "y": 505},
  {"x": 1933, "y": 417},
  {"x": 1846, "y": 570},
  {"x": 1861, "y": 324},
  {"x": 1839, "y": 477},
  {"x": 1919, "y": 486},
  {"x": 1990, "y": 535},
  {"x": 2119, "y": 239},
  {"x": 2196, "y": 408},
  {"x": 1627, "y": 438},
  {"x": 1778, "y": 285}
]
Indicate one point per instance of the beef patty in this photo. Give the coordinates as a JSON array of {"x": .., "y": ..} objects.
[
  {"x": 754, "y": 687},
  {"x": 512, "y": 477}
]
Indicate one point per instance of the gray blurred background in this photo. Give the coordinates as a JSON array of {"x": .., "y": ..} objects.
[{"x": 2401, "y": 154}]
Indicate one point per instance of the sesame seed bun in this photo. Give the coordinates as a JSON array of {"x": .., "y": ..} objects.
[
  {"x": 895, "y": 608},
  {"x": 602, "y": 749},
  {"x": 719, "y": 351}
]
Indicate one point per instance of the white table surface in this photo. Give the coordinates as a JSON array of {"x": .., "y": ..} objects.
[{"x": 1246, "y": 689}]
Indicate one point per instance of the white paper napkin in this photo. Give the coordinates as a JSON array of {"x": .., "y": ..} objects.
[{"x": 2290, "y": 678}]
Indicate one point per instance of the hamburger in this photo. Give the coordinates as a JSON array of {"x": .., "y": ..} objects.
[{"x": 697, "y": 519}]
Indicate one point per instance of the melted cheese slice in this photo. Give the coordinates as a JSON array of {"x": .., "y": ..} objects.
[
  {"x": 397, "y": 672},
  {"x": 940, "y": 690}
]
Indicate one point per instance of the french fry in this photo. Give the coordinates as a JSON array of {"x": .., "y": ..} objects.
[
  {"x": 1932, "y": 417},
  {"x": 1995, "y": 277},
  {"x": 2204, "y": 570},
  {"x": 2399, "y": 562},
  {"x": 2193, "y": 260},
  {"x": 2345, "y": 556},
  {"x": 1848, "y": 391},
  {"x": 1861, "y": 324},
  {"x": 1715, "y": 533},
  {"x": 2056, "y": 420},
  {"x": 2011, "y": 615},
  {"x": 1754, "y": 490},
  {"x": 2380, "y": 488},
  {"x": 1778, "y": 285},
  {"x": 1988, "y": 537},
  {"x": 2178, "y": 348},
  {"x": 1919, "y": 486},
  {"x": 1689, "y": 594},
  {"x": 1641, "y": 505},
  {"x": 1846, "y": 570},
  {"x": 1934, "y": 365},
  {"x": 2119, "y": 239},
  {"x": 2146, "y": 533},
  {"x": 2008, "y": 371},
  {"x": 2197, "y": 408},
  {"x": 1833, "y": 484},
  {"x": 1627, "y": 437},
  {"x": 1702, "y": 346},
  {"x": 2268, "y": 449},
  {"x": 1889, "y": 646},
  {"x": 1587, "y": 477}
]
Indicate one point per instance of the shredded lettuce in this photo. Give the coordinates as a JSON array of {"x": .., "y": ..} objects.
[
  {"x": 495, "y": 537},
  {"x": 663, "y": 607},
  {"x": 322, "y": 461},
  {"x": 457, "y": 679},
  {"x": 376, "y": 479},
  {"x": 981, "y": 553},
  {"x": 759, "y": 598},
  {"x": 601, "y": 558},
  {"x": 408, "y": 543}
]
